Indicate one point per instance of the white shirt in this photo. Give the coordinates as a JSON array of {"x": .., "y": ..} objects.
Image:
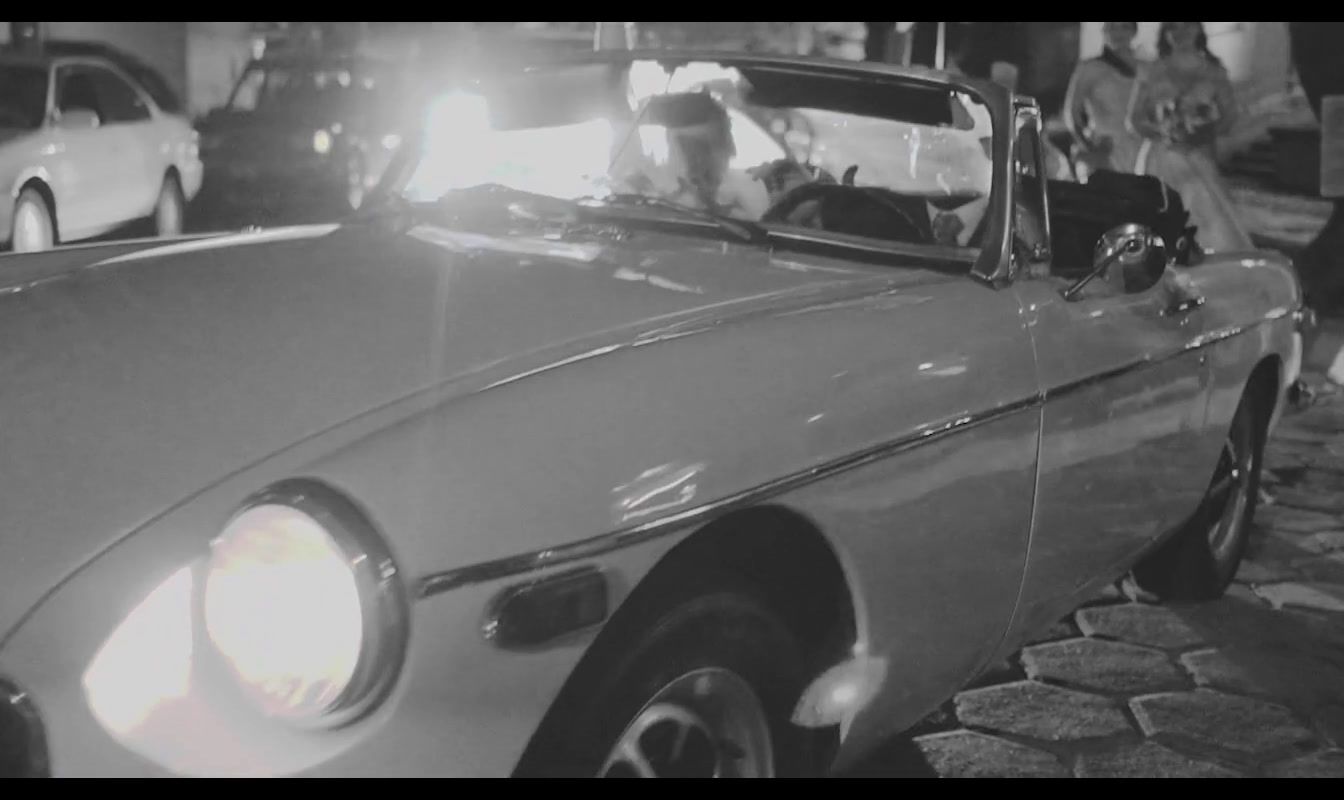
[{"x": 970, "y": 213}]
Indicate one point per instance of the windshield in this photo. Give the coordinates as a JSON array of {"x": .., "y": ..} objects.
[
  {"x": 788, "y": 148},
  {"x": 265, "y": 87},
  {"x": 164, "y": 97},
  {"x": 23, "y": 96}
]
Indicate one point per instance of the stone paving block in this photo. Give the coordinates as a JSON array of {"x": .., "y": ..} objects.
[
  {"x": 1295, "y": 497},
  {"x": 1137, "y": 594},
  {"x": 1049, "y": 713},
  {"x": 1154, "y": 626},
  {"x": 1265, "y": 572},
  {"x": 1330, "y": 462},
  {"x": 1227, "y": 722},
  {"x": 1325, "y": 542},
  {"x": 1100, "y": 665},
  {"x": 1216, "y": 670},
  {"x": 1328, "y": 568},
  {"x": 1063, "y": 629},
  {"x": 1107, "y": 596},
  {"x": 1242, "y": 593},
  {"x": 1320, "y": 596},
  {"x": 1280, "y": 461},
  {"x": 1329, "y": 719},
  {"x": 943, "y": 718},
  {"x": 1268, "y": 548},
  {"x": 1005, "y": 671},
  {"x": 1322, "y": 764},
  {"x": 1292, "y": 519},
  {"x": 1148, "y": 760},
  {"x": 967, "y": 754},
  {"x": 1320, "y": 480},
  {"x": 1289, "y": 432}
]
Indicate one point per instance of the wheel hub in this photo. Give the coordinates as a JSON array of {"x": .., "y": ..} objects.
[
  {"x": 705, "y": 724},
  {"x": 1228, "y": 496}
]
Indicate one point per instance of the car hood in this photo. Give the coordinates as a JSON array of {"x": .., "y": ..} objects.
[
  {"x": 134, "y": 381},
  {"x": 10, "y": 134}
]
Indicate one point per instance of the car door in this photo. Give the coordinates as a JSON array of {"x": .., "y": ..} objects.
[
  {"x": 1125, "y": 390},
  {"x": 131, "y": 130},
  {"x": 85, "y": 171}
]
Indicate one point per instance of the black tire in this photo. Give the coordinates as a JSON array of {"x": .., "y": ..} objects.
[
  {"x": 170, "y": 209},
  {"x": 726, "y": 628},
  {"x": 1199, "y": 562},
  {"x": 32, "y": 205}
]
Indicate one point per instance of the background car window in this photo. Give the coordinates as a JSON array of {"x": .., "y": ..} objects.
[
  {"x": 23, "y": 97},
  {"x": 118, "y": 100},
  {"x": 153, "y": 83},
  {"x": 247, "y": 94},
  {"x": 75, "y": 89}
]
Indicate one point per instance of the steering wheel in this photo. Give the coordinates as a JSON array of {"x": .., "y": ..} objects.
[{"x": 903, "y": 227}]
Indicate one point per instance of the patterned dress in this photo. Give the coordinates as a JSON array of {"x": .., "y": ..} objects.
[{"x": 1181, "y": 110}]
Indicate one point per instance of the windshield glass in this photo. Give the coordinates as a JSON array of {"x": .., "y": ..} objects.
[
  {"x": 23, "y": 96},
  {"x": 264, "y": 87},
  {"x": 793, "y": 149}
]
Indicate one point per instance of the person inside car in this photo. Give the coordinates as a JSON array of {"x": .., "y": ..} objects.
[{"x": 682, "y": 150}]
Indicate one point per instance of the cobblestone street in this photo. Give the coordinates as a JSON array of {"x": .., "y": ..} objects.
[{"x": 1249, "y": 685}]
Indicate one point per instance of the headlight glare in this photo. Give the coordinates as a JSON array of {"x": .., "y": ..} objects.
[{"x": 298, "y": 608}]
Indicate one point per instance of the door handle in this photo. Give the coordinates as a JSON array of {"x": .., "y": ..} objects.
[{"x": 1183, "y": 304}]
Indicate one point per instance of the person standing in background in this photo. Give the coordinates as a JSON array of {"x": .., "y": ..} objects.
[
  {"x": 1181, "y": 104},
  {"x": 1096, "y": 106},
  {"x": 1319, "y": 59}
]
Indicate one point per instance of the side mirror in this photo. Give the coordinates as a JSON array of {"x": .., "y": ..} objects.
[
  {"x": 1140, "y": 253},
  {"x": 78, "y": 119}
]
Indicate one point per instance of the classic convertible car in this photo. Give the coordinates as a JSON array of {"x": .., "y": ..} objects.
[{"x": 589, "y": 447}]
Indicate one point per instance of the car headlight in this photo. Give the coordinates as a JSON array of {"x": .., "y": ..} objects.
[
  {"x": 321, "y": 142},
  {"x": 300, "y": 603}
]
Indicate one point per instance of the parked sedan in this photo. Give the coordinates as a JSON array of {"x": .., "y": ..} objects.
[
  {"x": 85, "y": 148},
  {"x": 303, "y": 136},
  {"x": 591, "y": 448}
]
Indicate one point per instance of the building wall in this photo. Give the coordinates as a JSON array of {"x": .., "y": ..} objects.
[
  {"x": 217, "y": 52},
  {"x": 163, "y": 45}
]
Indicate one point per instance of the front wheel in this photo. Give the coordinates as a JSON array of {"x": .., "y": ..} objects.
[
  {"x": 705, "y": 691},
  {"x": 33, "y": 228},
  {"x": 356, "y": 177},
  {"x": 1200, "y": 561}
]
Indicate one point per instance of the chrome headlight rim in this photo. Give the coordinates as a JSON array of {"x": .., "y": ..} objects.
[{"x": 384, "y": 606}]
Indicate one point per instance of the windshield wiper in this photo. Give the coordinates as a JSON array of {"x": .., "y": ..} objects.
[{"x": 744, "y": 230}]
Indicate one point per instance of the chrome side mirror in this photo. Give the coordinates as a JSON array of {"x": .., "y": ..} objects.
[{"x": 1140, "y": 253}]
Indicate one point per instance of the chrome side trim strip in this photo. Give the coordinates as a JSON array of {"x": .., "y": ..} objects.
[
  {"x": 1198, "y": 343},
  {"x": 438, "y": 583},
  {"x": 1065, "y": 389}
]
